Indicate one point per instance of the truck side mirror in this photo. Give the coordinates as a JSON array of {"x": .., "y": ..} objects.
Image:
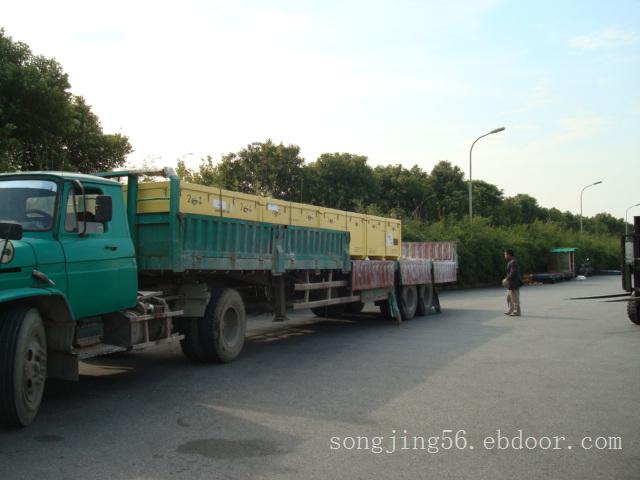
[
  {"x": 10, "y": 231},
  {"x": 104, "y": 208}
]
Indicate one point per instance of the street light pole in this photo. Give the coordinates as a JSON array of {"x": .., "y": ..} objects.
[
  {"x": 581, "y": 191},
  {"x": 626, "y": 226},
  {"x": 495, "y": 130}
]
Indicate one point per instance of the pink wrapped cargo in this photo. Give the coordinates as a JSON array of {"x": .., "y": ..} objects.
[{"x": 442, "y": 254}]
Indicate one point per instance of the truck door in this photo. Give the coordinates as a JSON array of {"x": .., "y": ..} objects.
[{"x": 100, "y": 257}]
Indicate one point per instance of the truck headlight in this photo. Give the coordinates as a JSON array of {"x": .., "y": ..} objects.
[{"x": 7, "y": 251}]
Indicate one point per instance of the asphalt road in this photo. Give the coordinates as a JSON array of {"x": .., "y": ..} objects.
[{"x": 300, "y": 390}]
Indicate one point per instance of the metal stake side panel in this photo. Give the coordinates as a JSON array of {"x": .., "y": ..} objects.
[{"x": 206, "y": 243}]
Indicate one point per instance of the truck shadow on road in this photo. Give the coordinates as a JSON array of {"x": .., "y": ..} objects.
[{"x": 360, "y": 361}]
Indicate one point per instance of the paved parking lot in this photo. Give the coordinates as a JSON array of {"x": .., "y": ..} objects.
[{"x": 304, "y": 395}]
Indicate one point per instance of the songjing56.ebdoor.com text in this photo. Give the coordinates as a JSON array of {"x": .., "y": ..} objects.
[{"x": 447, "y": 440}]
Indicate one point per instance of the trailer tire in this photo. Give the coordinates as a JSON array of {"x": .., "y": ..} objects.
[
  {"x": 408, "y": 301},
  {"x": 633, "y": 312},
  {"x": 425, "y": 299},
  {"x": 223, "y": 327},
  {"x": 23, "y": 365}
]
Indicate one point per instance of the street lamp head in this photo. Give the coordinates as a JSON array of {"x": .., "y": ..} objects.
[{"x": 497, "y": 130}]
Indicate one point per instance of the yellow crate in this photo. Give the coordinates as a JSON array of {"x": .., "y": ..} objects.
[
  {"x": 303, "y": 215},
  {"x": 276, "y": 211},
  {"x": 153, "y": 197},
  {"x": 242, "y": 206},
  {"x": 333, "y": 219},
  {"x": 393, "y": 243},
  {"x": 198, "y": 199},
  {"x": 357, "y": 228},
  {"x": 376, "y": 231}
]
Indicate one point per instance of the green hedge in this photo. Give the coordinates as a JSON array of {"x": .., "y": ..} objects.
[{"x": 481, "y": 246}]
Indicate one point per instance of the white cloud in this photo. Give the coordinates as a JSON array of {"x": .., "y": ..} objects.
[{"x": 607, "y": 38}]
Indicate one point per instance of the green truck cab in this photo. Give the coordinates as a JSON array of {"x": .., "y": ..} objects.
[{"x": 66, "y": 255}]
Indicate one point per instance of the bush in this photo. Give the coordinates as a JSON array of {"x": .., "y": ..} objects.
[{"x": 481, "y": 246}]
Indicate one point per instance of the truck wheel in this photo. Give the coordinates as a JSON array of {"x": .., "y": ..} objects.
[
  {"x": 633, "y": 312},
  {"x": 23, "y": 365},
  {"x": 190, "y": 344},
  {"x": 408, "y": 301},
  {"x": 425, "y": 299},
  {"x": 223, "y": 327}
]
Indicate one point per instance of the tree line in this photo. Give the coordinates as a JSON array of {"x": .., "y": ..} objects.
[{"x": 346, "y": 181}]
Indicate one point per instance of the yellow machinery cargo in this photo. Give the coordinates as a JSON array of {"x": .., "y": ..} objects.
[
  {"x": 333, "y": 219},
  {"x": 357, "y": 228},
  {"x": 376, "y": 237},
  {"x": 303, "y": 215},
  {"x": 276, "y": 211},
  {"x": 236, "y": 205},
  {"x": 370, "y": 236},
  {"x": 393, "y": 243}
]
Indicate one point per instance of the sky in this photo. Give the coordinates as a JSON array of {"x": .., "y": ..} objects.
[{"x": 402, "y": 82}]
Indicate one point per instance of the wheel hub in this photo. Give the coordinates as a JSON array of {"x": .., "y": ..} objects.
[{"x": 34, "y": 371}]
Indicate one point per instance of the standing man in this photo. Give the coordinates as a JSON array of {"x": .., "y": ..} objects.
[{"x": 512, "y": 282}]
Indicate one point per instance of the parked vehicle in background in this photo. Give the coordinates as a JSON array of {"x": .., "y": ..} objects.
[
  {"x": 631, "y": 271},
  {"x": 586, "y": 268}
]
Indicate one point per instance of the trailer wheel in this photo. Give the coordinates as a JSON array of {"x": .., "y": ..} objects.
[
  {"x": 633, "y": 312},
  {"x": 23, "y": 365},
  {"x": 408, "y": 301},
  {"x": 223, "y": 327},
  {"x": 425, "y": 299}
]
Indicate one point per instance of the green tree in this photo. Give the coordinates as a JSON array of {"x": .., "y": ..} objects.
[
  {"x": 403, "y": 190},
  {"x": 448, "y": 193},
  {"x": 605, "y": 223},
  {"x": 264, "y": 169},
  {"x": 44, "y": 126},
  {"x": 487, "y": 199},
  {"x": 521, "y": 209},
  {"x": 339, "y": 180}
]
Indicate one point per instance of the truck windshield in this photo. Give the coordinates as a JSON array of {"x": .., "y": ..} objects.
[{"x": 30, "y": 203}]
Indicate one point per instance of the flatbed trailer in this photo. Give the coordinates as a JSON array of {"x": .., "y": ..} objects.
[{"x": 90, "y": 266}]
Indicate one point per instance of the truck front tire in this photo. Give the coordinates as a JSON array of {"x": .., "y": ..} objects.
[
  {"x": 190, "y": 344},
  {"x": 23, "y": 365},
  {"x": 633, "y": 312}
]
